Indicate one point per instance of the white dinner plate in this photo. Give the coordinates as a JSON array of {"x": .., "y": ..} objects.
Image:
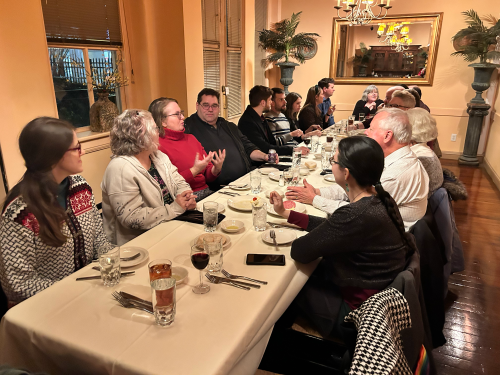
[
  {"x": 179, "y": 274},
  {"x": 224, "y": 246},
  {"x": 220, "y": 207},
  {"x": 128, "y": 251},
  {"x": 268, "y": 170},
  {"x": 232, "y": 223},
  {"x": 283, "y": 236},
  {"x": 275, "y": 176},
  {"x": 242, "y": 202},
  {"x": 299, "y": 207},
  {"x": 240, "y": 186},
  {"x": 329, "y": 178}
]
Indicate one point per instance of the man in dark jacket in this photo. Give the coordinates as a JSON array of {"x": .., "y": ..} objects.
[
  {"x": 254, "y": 125},
  {"x": 215, "y": 133}
]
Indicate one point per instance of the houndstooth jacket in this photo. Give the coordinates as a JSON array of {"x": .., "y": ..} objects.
[
  {"x": 27, "y": 265},
  {"x": 378, "y": 345}
]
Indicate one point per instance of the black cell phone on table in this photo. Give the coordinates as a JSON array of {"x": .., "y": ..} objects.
[
  {"x": 285, "y": 159},
  {"x": 265, "y": 259}
]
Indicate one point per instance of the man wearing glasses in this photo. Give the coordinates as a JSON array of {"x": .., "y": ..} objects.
[
  {"x": 215, "y": 133},
  {"x": 402, "y": 99}
]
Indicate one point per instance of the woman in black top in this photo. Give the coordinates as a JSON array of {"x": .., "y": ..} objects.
[
  {"x": 363, "y": 244},
  {"x": 368, "y": 104},
  {"x": 293, "y": 103},
  {"x": 310, "y": 116}
]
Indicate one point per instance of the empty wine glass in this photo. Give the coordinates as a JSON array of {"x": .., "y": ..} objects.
[{"x": 200, "y": 258}]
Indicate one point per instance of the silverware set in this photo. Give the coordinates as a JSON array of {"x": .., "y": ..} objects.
[
  {"x": 272, "y": 234},
  {"x": 236, "y": 186},
  {"x": 132, "y": 304},
  {"x": 123, "y": 274},
  {"x": 233, "y": 280},
  {"x": 228, "y": 193},
  {"x": 287, "y": 226}
]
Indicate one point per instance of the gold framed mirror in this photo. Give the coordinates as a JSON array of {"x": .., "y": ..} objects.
[{"x": 392, "y": 50}]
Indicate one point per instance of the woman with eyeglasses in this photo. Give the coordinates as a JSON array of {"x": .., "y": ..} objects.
[
  {"x": 185, "y": 152},
  {"x": 363, "y": 245},
  {"x": 310, "y": 116},
  {"x": 368, "y": 104},
  {"x": 141, "y": 188},
  {"x": 50, "y": 226}
]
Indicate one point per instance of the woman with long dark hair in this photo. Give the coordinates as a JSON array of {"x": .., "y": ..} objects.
[
  {"x": 50, "y": 225},
  {"x": 363, "y": 244},
  {"x": 310, "y": 116},
  {"x": 293, "y": 105}
]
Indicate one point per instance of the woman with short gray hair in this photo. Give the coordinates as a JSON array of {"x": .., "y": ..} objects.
[
  {"x": 368, "y": 104},
  {"x": 141, "y": 187},
  {"x": 424, "y": 130}
]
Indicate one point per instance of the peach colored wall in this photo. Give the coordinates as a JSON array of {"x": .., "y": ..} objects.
[
  {"x": 25, "y": 77},
  {"x": 492, "y": 155},
  {"x": 451, "y": 90}
]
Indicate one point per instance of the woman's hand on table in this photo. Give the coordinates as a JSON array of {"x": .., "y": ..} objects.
[
  {"x": 304, "y": 194},
  {"x": 217, "y": 161},
  {"x": 305, "y": 150},
  {"x": 312, "y": 133},
  {"x": 277, "y": 202},
  {"x": 313, "y": 128},
  {"x": 297, "y": 133},
  {"x": 200, "y": 165},
  {"x": 186, "y": 199}
]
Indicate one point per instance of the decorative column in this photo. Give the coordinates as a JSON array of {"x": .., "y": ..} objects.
[{"x": 477, "y": 110}]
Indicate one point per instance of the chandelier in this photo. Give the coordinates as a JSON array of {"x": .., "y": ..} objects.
[
  {"x": 396, "y": 36},
  {"x": 360, "y": 12}
]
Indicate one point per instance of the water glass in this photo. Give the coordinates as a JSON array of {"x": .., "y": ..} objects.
[
  {"x": 325, "y": 161},
  {"x": 343, "y": 127},
  {"x": 163, "y": 299},
  {"x": 361, "y": 117},
  {"x": 315, "y": 142},
  {"x": 213, "y": 247},
  {"x": 295, "y": 176},
  {"x": 259, "y": 214},
  {"x": 351, "y": 120},
  {"x": 288, "y": 176},
  {"x": 255, "y": 181},
  {"x": 297, "y": 157},
  {"x": 210, "y": 216},
  {"x": 159, "y": 269},
  {"x": 109, "y": 262}
]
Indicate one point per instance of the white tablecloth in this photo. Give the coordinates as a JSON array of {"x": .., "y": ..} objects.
[{"x": 77, "y": 327}]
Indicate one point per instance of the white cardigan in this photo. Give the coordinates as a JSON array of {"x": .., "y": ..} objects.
[{"x": 132, "y": 200}]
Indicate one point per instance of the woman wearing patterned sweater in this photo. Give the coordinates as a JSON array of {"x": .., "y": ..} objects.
[
  {"x": 184, "y": 149},
  {"x": 50, "y": 226},
  {"x": 141, "y": 188}
]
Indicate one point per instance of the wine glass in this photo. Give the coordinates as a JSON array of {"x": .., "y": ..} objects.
[{"x": 200, "y": 258}]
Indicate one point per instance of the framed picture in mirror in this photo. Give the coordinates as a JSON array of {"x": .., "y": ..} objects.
[{"x": 392, "y": 50}]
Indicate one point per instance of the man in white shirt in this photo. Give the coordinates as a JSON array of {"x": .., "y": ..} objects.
[
  {"x": 278, "y": 123},
  {"x": 404, "y": 177}
]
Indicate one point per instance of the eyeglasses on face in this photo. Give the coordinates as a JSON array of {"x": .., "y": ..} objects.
[
  {"x": 180, "y": 115},
  {"x": 207, "y": 106},
  {"x": 79, "y": 148},
  {"x": 396, "y": 106},
  {"x": 333, "y": 161}
]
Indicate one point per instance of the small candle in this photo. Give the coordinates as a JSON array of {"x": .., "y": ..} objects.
[
  {"x": 388, "y": 2},
  {"x": 338, "y": 3}
]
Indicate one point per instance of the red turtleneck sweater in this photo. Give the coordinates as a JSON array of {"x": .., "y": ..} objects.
[{"x": 181, "y": 149}]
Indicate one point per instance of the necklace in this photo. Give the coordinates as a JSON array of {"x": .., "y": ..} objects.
[{"x": 354, "y": 199}]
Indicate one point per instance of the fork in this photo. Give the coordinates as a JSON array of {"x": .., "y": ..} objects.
[
  {"x": 272, "y": 234},
  {"x": 128, "y": 304},
  {"x": 236, "y": 186},
  {"x": 229, "y": 276},
  {"x": 132, "y": 257},
  {"x": 219, "y": 281}
]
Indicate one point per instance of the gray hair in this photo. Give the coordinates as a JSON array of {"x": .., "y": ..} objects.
[
  {"x": 368, "y": 90},
  {"x": 397, "y": 121},
  {"x": 407, "y": 98},
  {"x": 423, "y": 125},
  {"x": 133, "y": 131}
]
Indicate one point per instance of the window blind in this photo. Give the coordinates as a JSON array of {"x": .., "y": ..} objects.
[
  {"x": 234, "y": 83},
  {"x": 233, "y": 24},
  {"x": 84, "y": 22},
  {"x": 210, "y": 20},
  {"x": 211, "y": 68}
]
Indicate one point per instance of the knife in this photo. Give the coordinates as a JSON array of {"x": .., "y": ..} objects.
[
  {"x": 130, "y": 273},
  {"x": 136, "y": 299},
  {"x": 223, "y": 279}
]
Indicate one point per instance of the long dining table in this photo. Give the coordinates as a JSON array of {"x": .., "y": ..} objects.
[{"x": 76, "y": 327}]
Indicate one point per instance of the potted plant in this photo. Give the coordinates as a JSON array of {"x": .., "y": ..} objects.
[
  {"x": 477, "y": 41},
  {"x": 362, "y": 60},
  {"x": 283, "y": 44}
]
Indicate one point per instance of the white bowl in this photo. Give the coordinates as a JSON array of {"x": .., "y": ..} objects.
[
  {"x": 179, "y": 274},
  {"x": 228, "y": 223},
  {"x": 304, "y": 171}
]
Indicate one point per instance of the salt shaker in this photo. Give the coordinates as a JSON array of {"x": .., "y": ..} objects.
[{"x": 282, "y": 180}]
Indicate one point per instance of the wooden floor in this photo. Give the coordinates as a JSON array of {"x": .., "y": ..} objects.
[{"x": 472, "y": 326}]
